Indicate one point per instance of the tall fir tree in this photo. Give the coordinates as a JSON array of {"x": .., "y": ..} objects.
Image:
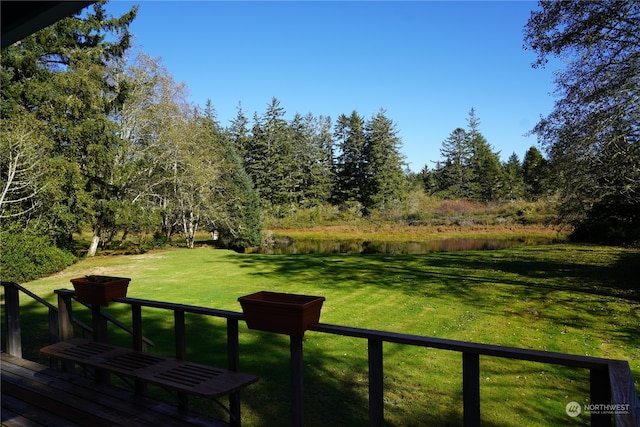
[
  {"x": 350, "y": 167},
  {"x": 488, "y": 179},
  {"x": 240, "y": 225},
  {"x": 514, "y": 184},
  {"x": 384, "y": 182},
  {"x": 456, "y": 176},
  {"x": 240, "y": 134},
  {"x": 310, "y": 156},
  {"x": 536, "y": 173},
  {"x": 60, "y": 76}
]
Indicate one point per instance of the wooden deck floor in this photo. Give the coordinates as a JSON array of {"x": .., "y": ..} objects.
[{"x": 35, "y": 395}]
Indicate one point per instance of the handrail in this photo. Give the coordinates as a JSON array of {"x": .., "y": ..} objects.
[
  {"x": 565, "y": 359},
  {"x": 31, "y": 294},
  {"x": 12, "y": 314},
  {"x": 611, "y": 380}
]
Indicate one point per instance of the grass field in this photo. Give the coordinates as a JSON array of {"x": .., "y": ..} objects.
[{"x": 569, "y": 298}]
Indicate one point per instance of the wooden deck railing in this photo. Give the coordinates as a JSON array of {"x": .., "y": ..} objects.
[
  {"x": 12, "y": 317},
  {"x": 611, "y": 381}
]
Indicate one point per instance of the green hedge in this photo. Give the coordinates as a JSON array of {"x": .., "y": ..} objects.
[{"x": 26, "y": 257}]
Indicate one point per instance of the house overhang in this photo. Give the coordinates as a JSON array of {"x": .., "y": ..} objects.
[{"x": 22, "y": 18}]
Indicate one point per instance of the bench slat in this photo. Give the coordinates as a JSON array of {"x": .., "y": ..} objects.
[{"x": 175, "y": 374}]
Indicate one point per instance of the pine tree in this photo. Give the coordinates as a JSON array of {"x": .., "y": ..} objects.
[
  {"x": 240, "y": 225},
  {"x": 428, "y": 179},
  {"x": 256, "y": 160},
  {"x": 384, "y": 181},
  {"x": 514, "y": 188},
  {"x": 325, "y": 178},
  {"x": 60, "y": 76},
  {"x": 488, "y": 178},
  {"x": 310, "y": 152},
  {"x": 456, "y": 176},
  {"x": 350, "y": 168},
  {"x": 536, "y": 174},
  {"x": 240, "y": 134}
]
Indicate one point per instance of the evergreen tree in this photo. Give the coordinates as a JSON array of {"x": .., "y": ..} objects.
[
  {"x": 240, "y": 134},
  {"x": 325, "y": 168},
  {"x": 257, "y": 158},
  {"x": 384, "y": 181},
  {"x": 240, "y": 225},
  {"x": 514, "y": 184},
  {"x": 350, "y": 167},
  {"x": 428, "y": 179},
  {"x": 536, "y": 174},
  {"x": 310, "y": 152},
  {"x": 271, "y": 159},
  {"x": 456, "y": 176},
  {"x": 488, "y": 179},
  {"x": 59, "y": 76}
]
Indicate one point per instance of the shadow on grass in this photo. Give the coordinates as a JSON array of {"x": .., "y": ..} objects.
[{"x": 533, "y": 268}]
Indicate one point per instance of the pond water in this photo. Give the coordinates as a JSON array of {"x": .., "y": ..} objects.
[{"x": 382, "y": 247}]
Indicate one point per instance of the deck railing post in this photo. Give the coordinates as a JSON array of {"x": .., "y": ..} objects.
[
  {"x": 376, "y": 386},
  {"x": 471, "y": 389},
  {"x": 600, "y": 393},
  {"x": 99, "y": 324},
  {"x": 65, "y": 324},
  {"x": 136, "y": 323},
  {"x": 233, "y": 364},
  {"x": 297, "y": 382},
  {"x": 53, "y": 325},
  {"x": 53, "y": 333},
  {"x": 180, "y": 329},
  {"x": 12, "y": 317},
  {"x": 65, "y": 327},
  {"x": 138, "y": 342},
  {"x": 180, "y": 332}
]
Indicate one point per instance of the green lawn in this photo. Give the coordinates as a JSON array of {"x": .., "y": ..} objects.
[{"x": 568, "y": 298}]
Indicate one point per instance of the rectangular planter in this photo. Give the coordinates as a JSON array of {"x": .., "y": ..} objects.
[
  {"x": 100, "y": 289},
  {"x": 288, "y": 314}
]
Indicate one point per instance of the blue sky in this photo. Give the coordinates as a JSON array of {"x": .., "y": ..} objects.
[{"x": 425, "y": 62}]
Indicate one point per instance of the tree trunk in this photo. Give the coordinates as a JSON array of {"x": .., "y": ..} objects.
[
  {"x": 190, "y": 227},
  {"x": 94, "y": 243}
]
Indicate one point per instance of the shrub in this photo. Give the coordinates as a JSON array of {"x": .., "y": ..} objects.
[
  {"x": 610, "y": 221},
  {"x": 25, "y": 257}
]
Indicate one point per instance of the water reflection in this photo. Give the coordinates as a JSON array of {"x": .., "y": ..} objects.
[{"x": 382, "y": 247}]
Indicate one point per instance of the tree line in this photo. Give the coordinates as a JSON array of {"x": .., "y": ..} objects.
[
  {"x": 472, "y": 170},
  {"x": 309, "y": 160}
]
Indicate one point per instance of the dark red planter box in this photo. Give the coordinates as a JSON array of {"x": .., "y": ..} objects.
[
  {"x": 288, "y": 314},
  {"x": 100, "y": 289}
]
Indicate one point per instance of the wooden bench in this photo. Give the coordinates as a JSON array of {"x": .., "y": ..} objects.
[
  {"x": 35, "y": 395},
  {"x": 179, "y": 375}
]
